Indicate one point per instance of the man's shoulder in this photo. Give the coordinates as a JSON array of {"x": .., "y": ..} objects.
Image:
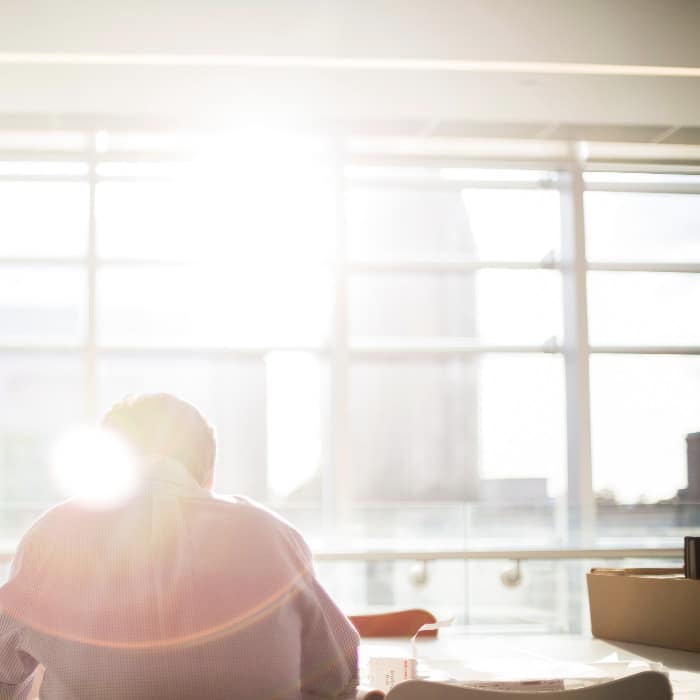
[
  {"x": 254, "y": 511},
  {"x": 53, "y": 527},
  {"x": 260, "y": 519},
  {"x": 54, "y": 519}
]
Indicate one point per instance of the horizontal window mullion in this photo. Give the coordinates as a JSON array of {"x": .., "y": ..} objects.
[
  {"x": 214, "y": 352},
  {"x": 45, "y": 156},
  {"x": 437, "y": 265},
  {"x": 355, "y": 265},
  {"x": 440, "y": 349},
  {"x": 643, "y": 187},
  {"x": 44, "y": 178},
  {"x": 145, "y": 156},
  {"x": 130, "y": 156},
  {"x": 136, "y": 179},
  {"x": 638, "y": 166},
  {"x": 645, "y": 349},
  {"x": 174, "y": 351},
  {"x": 31, "y": 349},
  {"x": 671, "y": 267},
  {"x": 41, "y": 262},
  {"x": 144, "y": 262},
  {"x": 356, "y": 182}
]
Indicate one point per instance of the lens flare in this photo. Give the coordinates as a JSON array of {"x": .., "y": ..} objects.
[{"x": 94, "y": 467}]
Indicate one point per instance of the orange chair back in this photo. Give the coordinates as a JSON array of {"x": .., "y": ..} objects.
[{"x": 399, "y": 623}]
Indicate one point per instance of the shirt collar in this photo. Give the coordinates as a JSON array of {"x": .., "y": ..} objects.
[{"x": 165, "y": 470}]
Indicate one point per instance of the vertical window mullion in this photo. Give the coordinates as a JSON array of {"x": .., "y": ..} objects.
[
  {"x": 580, "y": 502},
  {"x": 91, "y": 262},
  {"x": 335, "y": 496}
]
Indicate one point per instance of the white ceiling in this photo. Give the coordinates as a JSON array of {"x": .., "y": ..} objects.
[
  {"x": 646, "y": 32},
  {"x": 61, "y": 57}
]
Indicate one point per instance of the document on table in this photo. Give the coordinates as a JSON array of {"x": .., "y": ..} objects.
[{"x": 504, "y": 669}]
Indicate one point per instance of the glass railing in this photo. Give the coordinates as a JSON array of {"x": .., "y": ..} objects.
[{"x": 494, "y": 567}]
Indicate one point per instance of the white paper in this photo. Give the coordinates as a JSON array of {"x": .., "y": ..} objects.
[{"x": 386, "y": 671}]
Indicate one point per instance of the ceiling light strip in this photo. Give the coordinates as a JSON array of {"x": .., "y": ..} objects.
[{"x": 347, "y": 63}]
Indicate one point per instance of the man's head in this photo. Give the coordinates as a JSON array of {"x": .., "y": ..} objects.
[{"x": 163, "y": 425}]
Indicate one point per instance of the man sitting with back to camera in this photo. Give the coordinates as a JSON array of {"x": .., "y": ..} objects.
[{"x": 176, "y": 593}]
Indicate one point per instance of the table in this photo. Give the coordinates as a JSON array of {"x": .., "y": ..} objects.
[{"x": 458, "y": 646}]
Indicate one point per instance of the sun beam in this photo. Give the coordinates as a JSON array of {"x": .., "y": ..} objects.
[{"x": 94, "y": 467}]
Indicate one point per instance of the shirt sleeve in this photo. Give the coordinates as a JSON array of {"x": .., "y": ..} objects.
[
  {"x": 16, "y": 666},
  {"x": 328, "y": 646}
]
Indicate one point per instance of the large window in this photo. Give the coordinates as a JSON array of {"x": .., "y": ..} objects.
[
  {"x": 386, "y": 351},
  {"x": 451, "y": 394},
  {"x": 643, "y": 243}
]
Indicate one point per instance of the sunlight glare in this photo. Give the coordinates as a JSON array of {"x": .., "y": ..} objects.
[
  {"x": 94, "y": 467},
  {"x": 294, "y": 421},
  {"x": 257, "y": 194}
]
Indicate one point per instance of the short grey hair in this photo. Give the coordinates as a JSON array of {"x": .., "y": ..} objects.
[{"x": 162, "y": 424}]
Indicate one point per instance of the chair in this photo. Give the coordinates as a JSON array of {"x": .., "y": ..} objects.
[
  {"x": 648, "y": 685},
  {"x": 399, "y": 623}
]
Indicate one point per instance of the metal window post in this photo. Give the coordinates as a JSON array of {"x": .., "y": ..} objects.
[
  {"x": 580, "y": 507},
  {"x": 335, "y": 491},
  {"x": 91, "y": 261},
  {"x": 580, "y": 502}
]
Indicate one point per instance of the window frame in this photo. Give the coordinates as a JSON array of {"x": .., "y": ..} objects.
[{"x": 566, "y": 175}]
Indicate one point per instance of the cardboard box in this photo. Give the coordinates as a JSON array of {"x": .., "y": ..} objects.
[{"x": 657, "y": 608}]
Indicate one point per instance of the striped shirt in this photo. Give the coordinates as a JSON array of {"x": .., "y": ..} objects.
[{"x": 176, "y": 594}]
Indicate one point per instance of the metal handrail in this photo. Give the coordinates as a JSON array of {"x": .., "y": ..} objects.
[
  {"x": 512, "y": 554},
  {"x": 473, "y": 554}
]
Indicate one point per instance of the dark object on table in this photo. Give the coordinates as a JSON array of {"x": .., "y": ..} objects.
[{"x": 691, "y": 557}]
